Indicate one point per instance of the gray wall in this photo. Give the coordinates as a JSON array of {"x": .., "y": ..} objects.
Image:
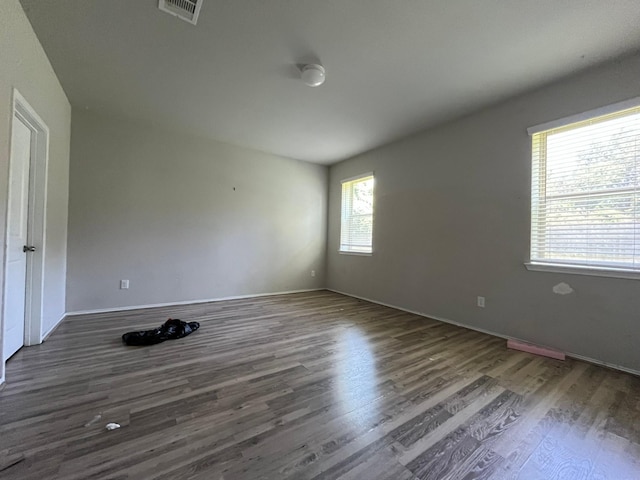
[
  {"x": 24, "y": 65},
  {"x": 159, "y": 209},
  {"x": 452, "y": 223}
]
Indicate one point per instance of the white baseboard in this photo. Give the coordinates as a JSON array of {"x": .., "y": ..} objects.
[
  {"x": 489, "y": 332},
  {"x": 603, "y": 364},
  {"x": 52, "y": 329},
  {"x": 187, "y": 302}
]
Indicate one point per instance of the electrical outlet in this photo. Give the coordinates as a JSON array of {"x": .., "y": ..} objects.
[
  {"x": 124, "y": 284},
  {"x": 481, "y": 302},
  {"x": 313, "y": 273}
]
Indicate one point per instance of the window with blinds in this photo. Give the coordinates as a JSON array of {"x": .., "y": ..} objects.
[
  {"x": 585, "y": 202},
  {"x": 356, "y": 228}
]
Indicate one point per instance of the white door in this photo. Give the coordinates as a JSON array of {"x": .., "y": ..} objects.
[{"x": 16, "y": 266}]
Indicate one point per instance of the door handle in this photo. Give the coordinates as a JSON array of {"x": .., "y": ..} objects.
[{"x": 28, "y": 248}]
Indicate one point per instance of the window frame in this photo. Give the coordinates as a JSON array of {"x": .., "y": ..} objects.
[
  {"x": 354, "y": 179},
  {"x": 575, "y": 268}
]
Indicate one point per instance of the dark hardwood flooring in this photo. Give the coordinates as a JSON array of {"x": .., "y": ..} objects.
[{"x": 309, "y": 386}]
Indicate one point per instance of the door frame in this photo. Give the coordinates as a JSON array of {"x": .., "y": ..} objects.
[{"x": 36, "y": 229}]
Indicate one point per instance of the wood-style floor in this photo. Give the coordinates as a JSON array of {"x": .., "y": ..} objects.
[{"x": 309, "y": 386}]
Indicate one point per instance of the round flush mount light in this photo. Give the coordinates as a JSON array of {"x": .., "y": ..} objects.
[{"x": 313, "y": 75}]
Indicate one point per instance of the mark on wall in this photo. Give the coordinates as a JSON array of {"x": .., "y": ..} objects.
[{"x": 562, "y": 289}]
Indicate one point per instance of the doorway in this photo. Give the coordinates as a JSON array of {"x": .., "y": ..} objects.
[{"x": 25, "y": 239}]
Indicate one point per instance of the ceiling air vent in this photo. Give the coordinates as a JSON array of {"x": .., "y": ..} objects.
[{"x": 187, "y": 10}]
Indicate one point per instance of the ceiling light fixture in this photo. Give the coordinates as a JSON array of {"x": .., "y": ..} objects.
[{"x": 313, "y": 75}]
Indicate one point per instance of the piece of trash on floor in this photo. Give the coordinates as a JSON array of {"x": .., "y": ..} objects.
[
  {"x": 95, "y": 419},
  {"x": 112, "y": 426},
  {"x": 170, "y": 330}
]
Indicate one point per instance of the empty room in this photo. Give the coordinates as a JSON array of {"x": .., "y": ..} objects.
[{"x": 340, "y": 239}]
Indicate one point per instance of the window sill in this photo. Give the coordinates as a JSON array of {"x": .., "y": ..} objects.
[
  {"x": 579, "y": 270},
  {"x": 357, "y": 254}
]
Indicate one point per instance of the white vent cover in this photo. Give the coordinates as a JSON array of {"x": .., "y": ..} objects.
[{"x": 187, "y": 10}]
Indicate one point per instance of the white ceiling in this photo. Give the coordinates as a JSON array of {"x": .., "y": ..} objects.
[{"x": 393, "y": 66}]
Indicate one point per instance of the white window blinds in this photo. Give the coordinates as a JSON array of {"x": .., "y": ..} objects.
[
  {"x": 585, "y": 203},
  {"x": 356, "y": 229}
]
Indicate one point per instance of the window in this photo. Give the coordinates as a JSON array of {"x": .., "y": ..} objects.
[
  {"x": 356, "y": 228},
  {"x": 585, "y": 201}
]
